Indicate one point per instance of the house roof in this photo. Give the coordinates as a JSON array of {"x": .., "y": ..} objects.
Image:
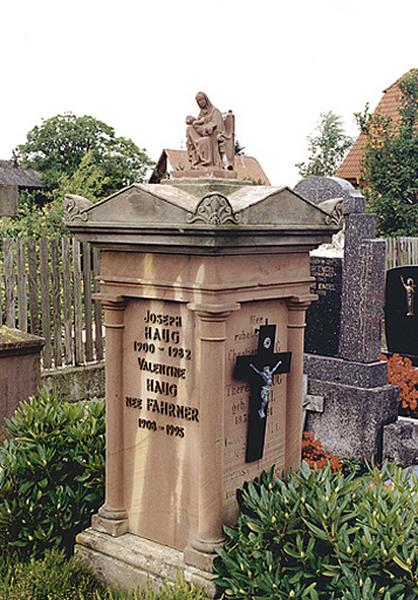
[
  {"x": 352, "y": 166},
  {"x": 22, "y": 178},
  {"x": 247, "y": 167}
]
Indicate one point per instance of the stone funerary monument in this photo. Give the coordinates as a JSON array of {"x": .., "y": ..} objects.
[{"x": 205, "y": 284}]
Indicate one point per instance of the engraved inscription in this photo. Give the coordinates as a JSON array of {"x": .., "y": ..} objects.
[
  {"x": 164, "y": 360},
  {"x": 243, "y": 336}
]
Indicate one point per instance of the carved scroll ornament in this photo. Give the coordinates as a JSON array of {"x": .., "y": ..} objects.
[
  {"x": 75, "y": 208},
  {"x": 213, "y": 209},
  {"x": 334, "y": 208}
]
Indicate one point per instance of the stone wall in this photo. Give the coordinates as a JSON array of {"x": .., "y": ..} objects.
[{"x": 77, "y": 383}]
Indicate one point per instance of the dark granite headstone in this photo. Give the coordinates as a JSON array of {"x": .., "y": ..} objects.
[
  {"x": 323, "y": 318},
  {"x": 318, "y": 188},
  {"x": 401, "y": 311},
  {"x": 363, "y": 287}
]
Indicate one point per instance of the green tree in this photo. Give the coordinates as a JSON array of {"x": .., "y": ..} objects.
[
  {"x": 391, "y": 163},
  {"x": 87, "y": 180},
  {"x": 58, "y": 145},
  {"x": 327, "y": 147}
]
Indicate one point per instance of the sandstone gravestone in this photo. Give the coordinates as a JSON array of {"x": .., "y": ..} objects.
[
  {"x": 20, "y": 368},
  {"x": 191, "y": 274},
  {"x": 401, "y": 311}
]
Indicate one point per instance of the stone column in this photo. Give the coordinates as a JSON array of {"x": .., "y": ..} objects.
[
  {"x": 112, "y": 516},
  {"x": 294, "y": 403},
  {"x": 211, "y": 327}
]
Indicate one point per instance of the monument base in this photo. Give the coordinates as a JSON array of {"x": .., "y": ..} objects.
[
  {"x": 130, "y": 562},
  {"x": 205, "y": 172},
  {"x": 357, "y": 405}
]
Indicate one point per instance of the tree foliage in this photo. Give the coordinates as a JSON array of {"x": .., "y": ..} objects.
[
  {"x": 391, "y": 163},
  {"x": 47, "y": 221},
  {"x": 327, "y": 147},
  {"x": 59, "y": 144}
]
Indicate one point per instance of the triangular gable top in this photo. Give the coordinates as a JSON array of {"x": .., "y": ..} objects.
[
  {"x": 210, "y": 216},
  {"x": 172, "y": 206}
]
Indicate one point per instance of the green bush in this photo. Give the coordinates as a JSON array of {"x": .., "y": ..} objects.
[
  {"x": 51, "y": 578},
  {"x": 55, "y": 577},
  {"x": 51, "y": 473},
  {"x": 324, "y": 535}
]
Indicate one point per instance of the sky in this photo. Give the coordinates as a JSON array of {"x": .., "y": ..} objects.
[{"x": 137, "y": 66}]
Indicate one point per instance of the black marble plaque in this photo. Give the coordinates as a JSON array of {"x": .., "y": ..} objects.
[
  {"x": 401, "y": 311},
  {"x": 323, "y": 318}
]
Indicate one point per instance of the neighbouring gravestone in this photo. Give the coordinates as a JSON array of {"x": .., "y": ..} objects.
[
  {"x": 205, "y": 285},
  {"x": 401, "y": 311},
  {"x": 319, "y": 188},
  {"x": 358, "y": 403},
  {"x": 323, "y": 318},
  {"x": 20, "y": 368}
]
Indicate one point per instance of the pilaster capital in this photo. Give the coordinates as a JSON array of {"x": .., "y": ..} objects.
[
  {"x": 213, "y": 312},
  {"x": 111, "y": 302},
  {"x": 301, "y": 302}
]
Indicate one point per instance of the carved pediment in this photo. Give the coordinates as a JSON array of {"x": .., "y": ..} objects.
[{"x": 213, "y": 209}]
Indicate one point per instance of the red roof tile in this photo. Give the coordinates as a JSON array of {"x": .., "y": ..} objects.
[{"x": 352, "y": 166}]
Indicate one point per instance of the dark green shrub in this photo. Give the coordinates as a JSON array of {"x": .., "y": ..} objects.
[
  {"x": 51, "y": 473},
  {"x": 324, "y": 535}
]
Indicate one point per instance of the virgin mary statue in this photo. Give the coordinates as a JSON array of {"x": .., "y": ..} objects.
[{"x": 205, "y": 135}]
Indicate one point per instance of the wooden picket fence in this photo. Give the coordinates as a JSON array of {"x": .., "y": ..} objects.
[
  {"x": 46, "y": 288},
  {"x": 401, "y": 251}
]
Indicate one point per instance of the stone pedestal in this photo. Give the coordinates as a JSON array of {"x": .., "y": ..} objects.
[
  {"x": 358, "y": 403},
  {"x": 20, "y": 371},
  {"x": 204, "y": 173},
  {"x": 189, "y": 273}
]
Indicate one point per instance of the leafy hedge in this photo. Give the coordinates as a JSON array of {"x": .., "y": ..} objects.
[
  {"x": 56, "y": 577},
  {"x": 324, "y": 535},
  {"x": 51, "y": 473}
]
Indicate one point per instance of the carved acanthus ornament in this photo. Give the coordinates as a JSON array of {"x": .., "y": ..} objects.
[
  {"x": 75, "y": 208},
  {"x": 213, "y": 209}
]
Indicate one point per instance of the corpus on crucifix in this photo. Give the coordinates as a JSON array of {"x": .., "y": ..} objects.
[
  {"x": 259, "y": 371},
  {"x": 266, "y": 376}
]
